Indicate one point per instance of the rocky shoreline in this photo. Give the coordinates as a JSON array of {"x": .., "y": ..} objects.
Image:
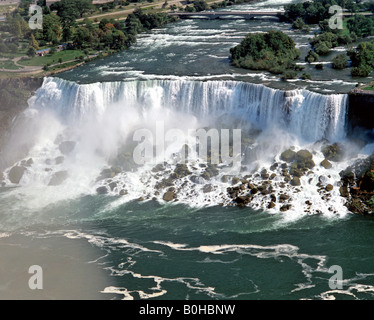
[{"x": 358, "y": 186}]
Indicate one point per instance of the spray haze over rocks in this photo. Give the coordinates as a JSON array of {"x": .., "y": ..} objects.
[{"x": 83, "y": 140}]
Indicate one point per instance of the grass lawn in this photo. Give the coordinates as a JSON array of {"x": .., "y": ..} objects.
[
  {"x": 66, "y": 55},
  {"x": 8, "y": 64},
  {"x": 368, "y": 88}
]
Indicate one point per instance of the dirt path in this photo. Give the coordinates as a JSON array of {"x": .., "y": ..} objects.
[{"x": 23, "y": 68}]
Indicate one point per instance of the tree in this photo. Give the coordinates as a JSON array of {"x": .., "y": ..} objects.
[
  {"x": 31, "y": 52},
  {"x": 33, "y": 43},
  {"x": 362, "y": 59},
  {"x": 70, "y": 10},
  {"x": 312, "y": 57},
  {"x": 200, "y": 5},
  {"x": 361, "y": 25},
  {"x": 340, "y": 61},
  {"x": 52, "y": 28},
  {"x": 81, "y": 36},
  {"x": 273, "y": 51}
]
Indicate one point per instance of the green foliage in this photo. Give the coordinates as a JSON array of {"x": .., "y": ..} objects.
[
  {"x": 362, "y": 59},
  {"x": 312, "y": 57},
  {"x": 340, "y": 61},
  {"x": 33, "y": 43},
  {"x": 70, "y": 10},
  {"x": 362, "y": 26},
  {"x": 324, "y": 42},
  {"x": 370, "y": 202},
  {"x": 31, "y": 52},
  {"x": 289, "y": 74},
  {"x": 200, "y": 5},
  {"x": 273, "y": 51},
  {"x": 316, "y": 11},
  {"x": 299, "y": 24},
  {"x": 306, "y": 76}
]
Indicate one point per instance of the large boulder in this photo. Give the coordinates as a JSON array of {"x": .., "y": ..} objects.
[
  {"x": 288, "y": 155},
  {"x": 295, "y": 182},
  {"x": 66, "y": 147},
  {"x": 326, "y": 164},
  {"x": 169, "y": 196},
  {"x": 16, "y": 174},
  {"x": 102, "y": 190},
  {"x": 58, "y": 178},
  {"x": 303, "y": 155},
  {"x": 334, "y": 152}
]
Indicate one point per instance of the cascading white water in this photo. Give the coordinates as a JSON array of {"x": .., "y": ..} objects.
[
  {"x": 100, "y": 119},
  {"x": 310, "y": 116}
]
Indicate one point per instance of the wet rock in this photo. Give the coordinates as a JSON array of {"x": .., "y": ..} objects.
[
  {"x": 271, "y": 205},
  {"x": 344, "y": 191},
  {"x": 28, "y": 163},
  {"x": 334, "y": 152},
  {"x": 16, "y": 174},
  {"x": 207, "y": 188},
  {"x": 322, "y": 180},
  {"x": 264, "y": 174},
  {"x": 243, "y": 200},
  {"x": 283, "y": 197},
  {"x": 58, "y": 178},
  {"x": 225, "y": 178},
  {"x": 158, "y": 168},
  {"x": 182, "y": 170},
  {"x": 295, "y": 170},
  {"x": 102, "y": 190},
  {"x": 274, "y": 166},
  {"x": 206, "y": 175},
  {"x": 59, "y": 160},
  {"x": 326, "y": 164},
  {"x": 112, "y": 185},
  {"x": 109, "y": 173},
  {"x": 288, "y": 155},
  {"x": 272, "y": 176},
  {"x": 284, "y": 165},
  {"x": 123, "y": 192},
  {"x": 347, "y": 176},
  {"x": 169, "y": 196},
  {"x": 235, "y": 180},
  {"x": 273, "y": 198},
  {"x": 197, "y": 179},
  {"x": 295, "y": 182},
  {"x": 66, "y": 147},
  {"x": 329, "y": 187},
  {"x": 285, "y": 207},
  {"x": 303, "y": 155},
  {"x": 308, "y": 203}
]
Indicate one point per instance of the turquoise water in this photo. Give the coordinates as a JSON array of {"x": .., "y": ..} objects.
[{"x": 110, "y": 247}]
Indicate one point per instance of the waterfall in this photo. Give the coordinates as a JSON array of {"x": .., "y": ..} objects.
[{"x": 308, "y": 115}]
